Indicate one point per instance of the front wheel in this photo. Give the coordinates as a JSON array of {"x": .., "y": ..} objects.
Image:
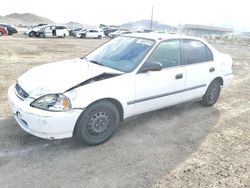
[
  {"x": 1, "y": 33},
  {"x": 31, "y": 34},
  {"x": 99, "y": 37},
  {"x": 83, "y": 36},
  {"x": 41, "y": 35},
  {"x": 98, "y": 123},
  {"x": 212, "y": 94}
]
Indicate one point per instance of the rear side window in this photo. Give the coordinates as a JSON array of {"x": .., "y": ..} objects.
[{"x": 196, "y": 52}]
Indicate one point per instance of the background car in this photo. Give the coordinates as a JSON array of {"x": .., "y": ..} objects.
[
  {"x": 33, "y": 29},
  {"x": 11, "y": 28},
  {"x": 109, "y": 30},
  {"x": 3, "y": 31},
  {"x": 74, "y": 31},
  {"x": 90, "y": 33},
  {"x": 52, "y": 31},
  {"x": 118, "y": 33}
]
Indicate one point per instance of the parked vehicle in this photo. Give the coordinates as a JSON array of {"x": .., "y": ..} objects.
[
  {"x": 81, "y": 33},
  {"x": 109, "y": 30},
  {"x": 73, "y": 32},
  {"x": 126, "y": 76},
  {"x": 90, "y": 33},
  {"x": 10, "y": 28},
  {"x": 33, "y": 29},
  {"x": 3, "y": 31},
  {"x": 118, "y": 33},
  {"x": 52, "y": 31}
]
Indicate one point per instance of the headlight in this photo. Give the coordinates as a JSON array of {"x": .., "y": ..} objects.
[{"x": 52, "y": 102}]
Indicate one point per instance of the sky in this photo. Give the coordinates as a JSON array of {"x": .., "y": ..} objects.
[{"x": 228, "y": 13}]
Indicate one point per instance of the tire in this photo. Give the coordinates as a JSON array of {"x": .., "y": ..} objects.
[
  {"x": 41, "y": 35},
  {"x": 64, "y": 35},
  {"x": 1, "y": 33},
  {"x": 83, "y": 36},
  {"x": 97, "y": 123},
  {"x": 212, "y": 94},
  {"x": 31, "y": 34},
  {"x": 99, "y": 37}
]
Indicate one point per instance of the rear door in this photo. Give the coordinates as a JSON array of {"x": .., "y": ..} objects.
[
  {"x": 158, "y": 89},
  {"x": 92, "y": 34},
  {"x": 200, "y": 68},
  {"x": 59, "y": 31}
]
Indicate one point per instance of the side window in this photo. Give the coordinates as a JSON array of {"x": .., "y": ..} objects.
[
  {"x": 168, "y": 53},
  {"x": 59, "y": 27},
  {"x": 196, "y": 52},
  {"x": 209, "y": 55}
]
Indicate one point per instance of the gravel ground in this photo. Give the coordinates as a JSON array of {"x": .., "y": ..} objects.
[{"x": 186, "y": 145}]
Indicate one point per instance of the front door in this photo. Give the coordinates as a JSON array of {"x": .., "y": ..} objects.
[
  {"x": 48, "y": 31},
  {"x": 158, "y": 89}
]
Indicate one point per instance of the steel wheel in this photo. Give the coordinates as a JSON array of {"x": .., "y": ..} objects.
[
  {"x": 97, "y": 123},
  {"x": 212, "y": 94}
]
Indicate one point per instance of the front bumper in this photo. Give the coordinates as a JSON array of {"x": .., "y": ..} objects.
[{"x": 41, "y": 123}]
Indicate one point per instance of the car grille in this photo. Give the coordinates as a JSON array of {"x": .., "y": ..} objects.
[{"x": 20, "y": 92}]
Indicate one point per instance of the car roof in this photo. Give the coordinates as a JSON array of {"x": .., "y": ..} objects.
[{"x": 162, "y": 36}]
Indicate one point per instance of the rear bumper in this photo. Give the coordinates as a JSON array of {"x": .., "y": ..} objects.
[
  {"x": 227, "y": 79},
  {"x": 41, "y": 123}
]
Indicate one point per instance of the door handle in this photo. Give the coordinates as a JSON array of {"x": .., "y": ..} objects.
[
  {"x": 212, "y": 69},
  {"x": 179, "y": 76}
]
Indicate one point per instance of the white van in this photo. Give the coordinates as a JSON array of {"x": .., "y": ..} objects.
[{"x": 53, "y": 31}]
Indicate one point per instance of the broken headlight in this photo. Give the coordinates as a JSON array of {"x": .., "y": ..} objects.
[{"x": 52, "y": 102}]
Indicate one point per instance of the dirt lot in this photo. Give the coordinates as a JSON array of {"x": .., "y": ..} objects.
[{"x": 187, "y": 145}]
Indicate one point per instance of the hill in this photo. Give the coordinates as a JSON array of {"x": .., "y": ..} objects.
[
  {"x": 76, "y": 24},
  {"x": 145, "y": 24},
  {"x": 24, "y": 19}
]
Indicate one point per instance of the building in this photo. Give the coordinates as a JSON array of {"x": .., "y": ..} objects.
[{"x": 204, "y": 30}]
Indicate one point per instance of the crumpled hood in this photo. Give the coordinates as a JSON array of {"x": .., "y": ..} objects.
[{"x": 59, "y": 76}]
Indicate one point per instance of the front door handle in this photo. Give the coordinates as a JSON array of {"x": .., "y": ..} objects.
[
  {"x": 212, "y": 69},
  {"x": 179, "y": 76}
]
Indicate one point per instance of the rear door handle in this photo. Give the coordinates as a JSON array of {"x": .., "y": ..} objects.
[
  {"x": 179, "y": 76},
  {"x": 212, "y": 69}
]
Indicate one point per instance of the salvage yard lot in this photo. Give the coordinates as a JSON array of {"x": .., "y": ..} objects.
[{"x": 187, "y": 145}]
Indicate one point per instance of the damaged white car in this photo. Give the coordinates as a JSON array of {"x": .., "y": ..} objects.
[{"x": 126, "y": 76}]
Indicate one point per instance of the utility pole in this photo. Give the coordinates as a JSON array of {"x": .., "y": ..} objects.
[{"x": 151, "y": 23}]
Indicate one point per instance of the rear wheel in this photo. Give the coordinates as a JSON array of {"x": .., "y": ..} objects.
[
  {"x": 212, "y": 94},
  {"x": 98, "y": 123}
]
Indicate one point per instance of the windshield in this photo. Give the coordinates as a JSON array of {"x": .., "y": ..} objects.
[{"x": 122, "y": 53}]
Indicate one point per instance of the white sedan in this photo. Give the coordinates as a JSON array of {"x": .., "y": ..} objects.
[
  {"x": 90, "y": 33},
  {"x": 128, "y": 75}
]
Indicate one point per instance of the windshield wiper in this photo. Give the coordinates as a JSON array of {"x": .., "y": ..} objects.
[
  {"x": 97, "y": 63},
  {"x": 93, "y": 61}
]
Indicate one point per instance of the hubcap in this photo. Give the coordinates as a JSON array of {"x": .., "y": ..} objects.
[
  {"x": 213, "y": 93},
  {"x": 98, "y": 123}
]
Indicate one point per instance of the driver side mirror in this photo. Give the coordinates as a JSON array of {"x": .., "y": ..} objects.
[{"x": 150, "y": 66}]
